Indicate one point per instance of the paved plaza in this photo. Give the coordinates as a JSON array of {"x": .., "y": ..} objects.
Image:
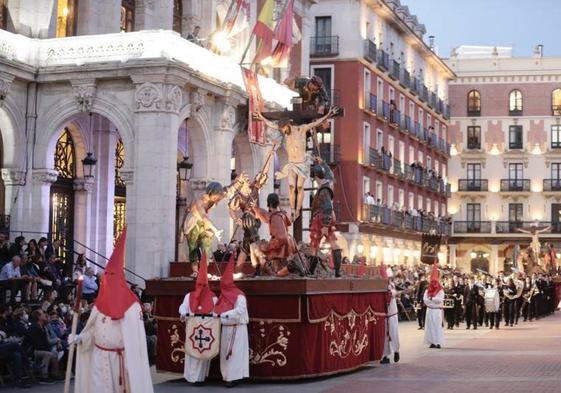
[{"x": 526, "y": 358}]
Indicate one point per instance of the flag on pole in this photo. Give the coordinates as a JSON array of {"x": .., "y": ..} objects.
[
  {"x": 255, "y": 128},
  {"x": 284, "y": 35},
  {"x": 235, "y": 18},
  {"x": 263, "y": 31}
]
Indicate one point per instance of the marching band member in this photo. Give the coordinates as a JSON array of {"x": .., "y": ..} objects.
[
  {"x": 434, "y": 299},
  {"x": 493, "y": 304},
  {"x": 512, "y": 293},
  {"x": 234, "y": 344},
  {"x": 199, "y": 301}
]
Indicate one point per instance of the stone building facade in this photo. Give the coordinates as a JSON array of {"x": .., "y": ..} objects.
[
  {"x": 114, "y": 79},
  {"x": 506, "y": 158}
]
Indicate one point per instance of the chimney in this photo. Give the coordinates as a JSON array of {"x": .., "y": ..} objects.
[
  {"x": 431, "y": 42},
  {"x": 540, "y": 50}
]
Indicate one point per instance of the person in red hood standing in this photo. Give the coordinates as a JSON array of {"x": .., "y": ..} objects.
[
  {"x": 200, "y": 301},
  {"x": 434, "y": 300},
  {"x": 234, "y": 343},
  {"x": 112, "y": 353}
]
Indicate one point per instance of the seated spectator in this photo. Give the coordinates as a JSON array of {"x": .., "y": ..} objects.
[
  {"x": 17, "y": 247},
  {"x": 28, "y": 269},
  {"x": 20, "y": 324},
  {"x": 89, "y": 287},
  {"x": 151, "y": 328},
  {"x": 11, "y": 353},
  {"x": 58, "y": 329},
  {"x": 51, "y": 271},
  {"x": 79, "y": 267},
  {"x": 4, "y": 250},
  {"x": 12, "y": 279},
  {"x": 42, "y": 345},
  {"x": 32, "y": 249}
]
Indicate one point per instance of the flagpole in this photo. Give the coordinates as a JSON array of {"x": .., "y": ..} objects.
[{"x": 247, "y": 49}]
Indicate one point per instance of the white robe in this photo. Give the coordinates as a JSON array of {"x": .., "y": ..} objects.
[
  {"x": 237, "y": 366},
  {"x": 434, "y": 331},
  {"x": 391, "y": 341},
  {"x": 195, "y": 370},
  {"x": 97, "y": 371}
]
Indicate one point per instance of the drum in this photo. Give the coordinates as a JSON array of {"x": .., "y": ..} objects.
[{"x": 448, "y": 303}]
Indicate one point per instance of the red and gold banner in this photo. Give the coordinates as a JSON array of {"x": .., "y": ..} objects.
[
  {"x": 292, "y": 336},
  {"x": 255, "y": 128}
]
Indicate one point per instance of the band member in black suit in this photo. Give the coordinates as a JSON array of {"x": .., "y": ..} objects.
[
  {"x": 450, "y": 313},
  {"x": 471, "y": 300},
  {"x": 459, "y": 305},
  {"x": 421, "y": 307},
  {"x": 512, "y": 292}
]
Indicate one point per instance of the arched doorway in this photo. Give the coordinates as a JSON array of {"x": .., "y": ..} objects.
[
  {"x": 61, "y": 213},
  {"x": 479, "y": 260}
]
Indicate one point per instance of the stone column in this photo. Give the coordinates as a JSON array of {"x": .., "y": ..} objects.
[
  {"x": 452, "y": 251},
  {"x": 98, "y": 17},
  {"x": 151, "y": 196},
  {"x": 152, "y": 15},
  {"x": 494, "y": 265},
  {"x": 223, "y": 137},
  {"x": 14, "y": 191},
  {"x": 82, "y": 213},
  {"x": 104, "y": 139},
  {"x": 38, "y": 219}
]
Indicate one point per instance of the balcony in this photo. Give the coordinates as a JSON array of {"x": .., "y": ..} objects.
[
  {"x": 330, "y": 153},
  {"x": 473, "y": 185},
  {"x": 415, "y": 86},
  {"x": 397, "y": 170},
  {"x": 440, "y": 106},
  {"x": 474, "y": 144},
  {"x": 474, "y": 112},
  {"x": 418, "y": 130},
  {"x": 327, "y": 46},
  {"x": 472, "y": 227},
  {"x": 384, "y": 216},
  {"x": 551, "y": 185},
  {"x": 405, "y": 79},
  {"x": 424, "y": 95},
  {"x": 446, "y": 111},
  {"x": 407, "y": 124},
  {"x": 383, "y": 60},
  {"x": 372, "y": 103},
  {"x": 515, "y": 112},
  {"x": 511, "y": 226},
  {"x": 370, "y": 51},
  {"x": 385, "y": 110},
  {"x": 395, "y": 117},
  {"x": 394, "y": 73},
  {"x": 432, "y": 100},
  {"x": 515, "y": 185}
]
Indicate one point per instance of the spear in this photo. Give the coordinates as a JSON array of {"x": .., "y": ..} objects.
[{"x": 75, "y": 316}]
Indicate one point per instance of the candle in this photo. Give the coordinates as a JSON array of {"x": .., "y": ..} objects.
[{"x": 78, "y": 293}]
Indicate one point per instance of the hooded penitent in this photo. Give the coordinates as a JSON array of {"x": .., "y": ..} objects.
[
  {"x": 115, "y": 296},
  {"x": 200, "y": 300},
  {"x": 434, "y": 285},
  {"x": 228, "y": 290}
]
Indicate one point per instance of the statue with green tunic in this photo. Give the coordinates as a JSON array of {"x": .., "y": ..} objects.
[{"x": 198, "y": 230}]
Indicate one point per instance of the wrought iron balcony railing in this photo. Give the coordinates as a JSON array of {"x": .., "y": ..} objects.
[
  {"x": 324, "y": 46},
  {"x": 370, "y": 51},
  {"x": 473, "y": 185},
  {"x": 472, "y": 226},
  {"x": 515, "y": 185},
  {"x": 552, "y": 184}
]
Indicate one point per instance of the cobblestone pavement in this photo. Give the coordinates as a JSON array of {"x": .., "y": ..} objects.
[{"x": 522, "y": 359}]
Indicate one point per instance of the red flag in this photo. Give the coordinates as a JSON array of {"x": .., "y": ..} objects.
[
  {"x": 283, "y": 35},
  {"x": 255, "y": 128}
]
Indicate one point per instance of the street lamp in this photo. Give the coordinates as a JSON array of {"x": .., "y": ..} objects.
[
  {"x": 89, "y": 165},
  {"x": 184, "y": 167}
]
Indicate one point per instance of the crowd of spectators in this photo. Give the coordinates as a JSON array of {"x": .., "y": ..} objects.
[{"x": 35, "y": 319}]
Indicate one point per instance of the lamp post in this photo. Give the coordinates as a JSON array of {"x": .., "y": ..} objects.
[
  {"x": 89, "y": 165},
  {"x": 184, "y": 175},
  {"x": 184, "y": 168}
]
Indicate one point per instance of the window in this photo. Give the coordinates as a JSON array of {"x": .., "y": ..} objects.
[
  {"x": 66, "y": 18},
  {"x": 515, "y": 171},
  {"x": 515, "y": 137},
  {"x": 365, "y": 184},
  {"x": 421, "y": 158},
  {"x": 420, "y": 202},
  {"x": 390, "y": 196},
  {"x": 474, "y": 171},
  {"x": 391, "y": 145},
  {"x": 379, "y": 139},
  {"x": 515, "y": 212},
  {"x": 65, "y": 158},
  {"x": 325, "y": 74},
  {"x": 379, "y": 191},
  {"x": 420, "y": 119},
  {"x": 474, "y": 103},
  {"x": 366, "y": 143},
  {"x": 411, "y": 201},
  {"x": 443, "y": 209},
  {"x": 555, "y": 136},
  {"x": 401, "y": 200},
  {"x": 411, "y": 154},
  {"x": 556, "y": 102},
  {"x": 515, "y": 103},
  {"x": 473, "y": 213},
  {"x": 323, "y": 26},
  {"x": 177, "y": 16},
  {"x": 127, "y": 15},
  {"x": 367, "y": 84},
  {"x": 556, "y": 171},
  {"x": 429, "y": 205},
  {"x": 401, "y": 152},
  {"x": 436, "y": 209},
  {"x": 474, "y": 137}
]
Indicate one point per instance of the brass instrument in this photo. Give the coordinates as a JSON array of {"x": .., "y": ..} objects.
[
  {"x": 527, "y": 297},
  {"x": 519, "y": 289}
]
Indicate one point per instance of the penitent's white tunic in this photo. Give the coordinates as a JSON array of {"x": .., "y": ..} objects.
[
  {"x": 237, "y": 366},
  {"x": 195, "y": 370},
  {"x": 97, "y": 371},
  {"x": 434, "y": 331},
  {"x": 391, "y": 341}
]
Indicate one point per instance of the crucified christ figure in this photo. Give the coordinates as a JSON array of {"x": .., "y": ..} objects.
[
  {"x": 298, "y": 167},
  {"x": 535, "y": 244}
]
